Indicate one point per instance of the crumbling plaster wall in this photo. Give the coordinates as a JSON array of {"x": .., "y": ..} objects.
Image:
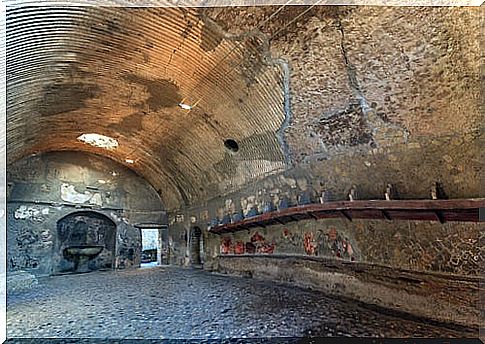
[
  {"x": 404, "y": 265},
  {"x": 452, "y": 247},
  {"x": 378, "y": 94},
  {"x": 43, "y": 189},
  {"x": 354, "y": 94}
]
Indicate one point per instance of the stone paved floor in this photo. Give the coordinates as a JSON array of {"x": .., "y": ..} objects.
[{"x": 167, "y": 302}]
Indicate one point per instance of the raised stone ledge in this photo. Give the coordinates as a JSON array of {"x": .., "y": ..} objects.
[
  {"x": 446, "y": 298},
  {"x": 20, "y": 280}
]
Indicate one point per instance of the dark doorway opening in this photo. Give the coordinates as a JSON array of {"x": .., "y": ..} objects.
[{"x": 195, "y": 246}]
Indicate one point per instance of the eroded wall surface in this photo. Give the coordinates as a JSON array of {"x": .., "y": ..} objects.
[
  {"x": 319, "y": 98},
  {"x": 46, "y": 188},
  {"x": 362, "y": 95},
  {"x": 452, "y": 247},
  {"x": 393, "y": 264},
  {"x": 449, "y": 248},
  {"x": 378, "y": 94}
]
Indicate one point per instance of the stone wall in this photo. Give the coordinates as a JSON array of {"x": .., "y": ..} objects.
[
  {"x": 451, "y": 299},
  {"x": 364, "y": 95},
  {"x": 292, "y": 252},
  {"x": 45, "y": 189},
  {"x": 425, "y": 246},
  {"x": 452, "y": 247},
  {"x": 378, "y": 94},
  {"x": 418, "y": 267},
  {"x": 412, "y": 245}
]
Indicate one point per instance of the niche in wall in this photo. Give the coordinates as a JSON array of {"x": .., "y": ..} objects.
[{"x": 86, "y": 230}]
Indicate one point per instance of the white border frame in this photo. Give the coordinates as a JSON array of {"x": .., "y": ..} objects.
[{"x": 139, "y": 3}]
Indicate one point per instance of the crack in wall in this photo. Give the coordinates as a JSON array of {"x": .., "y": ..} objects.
[
  {"x": 288, "y": 114},
  {"x": 372, "y": 120},
  {"x": 351, "y": 73}
]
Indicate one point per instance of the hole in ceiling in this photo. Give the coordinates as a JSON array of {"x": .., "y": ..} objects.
[
  {"x": 98, "y": 140},
  {"x": 185, "y": 106},
  {"x": 231, "y": 145}
]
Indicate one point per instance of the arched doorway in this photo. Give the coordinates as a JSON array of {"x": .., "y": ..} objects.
[
  {"x": 86, "y": 242},
  {"x": 195, "y": 246}
]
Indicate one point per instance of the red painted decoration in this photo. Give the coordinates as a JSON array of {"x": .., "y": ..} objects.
[
  {"x": 226, "y": 245},
  {"x": 239, "y": 248},
  {"x": 257, "y": 237},
  {"x": 266, "y": 248},
  {"x": 309, "y": 244}
]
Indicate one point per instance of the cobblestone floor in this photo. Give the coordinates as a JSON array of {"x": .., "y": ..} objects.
[{"x": 167, "y": 302}]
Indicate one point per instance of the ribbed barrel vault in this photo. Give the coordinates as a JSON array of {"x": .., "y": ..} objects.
[{"x": 123, "y": 73}]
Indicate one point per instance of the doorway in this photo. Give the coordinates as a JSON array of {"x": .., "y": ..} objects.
[
  {"x": 195, "y": 247},
  {"x": 150, "y": 248}
]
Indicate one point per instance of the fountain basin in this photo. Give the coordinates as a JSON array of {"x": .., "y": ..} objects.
[
  {"x": 81, "y": 255},
  {"x": 88, "y": 250}
]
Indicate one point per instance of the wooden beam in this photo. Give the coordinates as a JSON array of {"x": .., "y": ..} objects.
[
  {"x": 260, "y": 224},
  {"x": 279, "y": 221},
  {"x": 150, "y": 225},
  {"x": 417, "y": 210},
  {"x": 312, "y": 215}
]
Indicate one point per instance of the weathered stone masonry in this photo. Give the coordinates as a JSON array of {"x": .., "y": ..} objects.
[
  {"x": 378, "y": 96},
  {"x": 75, "y": 189},
  {"x": 312, "y": 99},
  {"x": 373, "y": 261}
]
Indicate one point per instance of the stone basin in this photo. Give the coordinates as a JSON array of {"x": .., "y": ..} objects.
[
  {"x": 81, "y": 255},
  {"x": 87, "y": 250}
]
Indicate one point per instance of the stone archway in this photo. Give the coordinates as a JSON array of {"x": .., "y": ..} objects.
[{"x": 86, "y": 242}]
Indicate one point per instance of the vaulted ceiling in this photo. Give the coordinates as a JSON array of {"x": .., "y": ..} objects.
[
  {"x": 167, "y": 83},
  {"x": 376, "y": 93}
]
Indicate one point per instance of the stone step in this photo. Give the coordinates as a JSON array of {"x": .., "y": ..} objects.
[{"x": 20, "y": 280}]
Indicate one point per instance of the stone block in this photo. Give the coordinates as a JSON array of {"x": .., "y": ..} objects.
[{"x": 20, "y": 280}]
